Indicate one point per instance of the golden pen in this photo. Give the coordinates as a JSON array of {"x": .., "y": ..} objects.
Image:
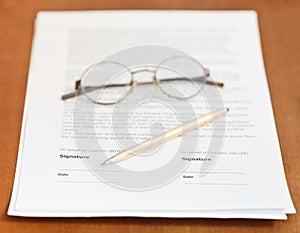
[{"x": 166, "y": 136}]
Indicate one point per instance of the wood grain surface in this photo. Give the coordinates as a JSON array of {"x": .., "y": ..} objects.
[{"x": 280, "y": 34}]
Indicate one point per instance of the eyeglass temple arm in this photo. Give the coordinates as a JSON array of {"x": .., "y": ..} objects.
[
  {"x": 73, "y": 94},
  {"x": 70, "y": 95},
  {"x": 91, "y": 88},
  {"x": 218, "y": 84},
  {"x": 206, "y": 74}
]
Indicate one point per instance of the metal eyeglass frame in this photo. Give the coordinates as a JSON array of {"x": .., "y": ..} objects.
[{"x": 80, "y": 89}]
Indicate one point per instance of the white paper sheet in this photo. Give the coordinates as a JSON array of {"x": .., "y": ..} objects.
[{"x": 247, "y": 180}]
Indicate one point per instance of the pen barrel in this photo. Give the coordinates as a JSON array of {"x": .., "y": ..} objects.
[{"x": 169, "y": 135}]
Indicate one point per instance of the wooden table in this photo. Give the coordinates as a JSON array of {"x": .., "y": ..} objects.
[{"x": 280, "y": 34}]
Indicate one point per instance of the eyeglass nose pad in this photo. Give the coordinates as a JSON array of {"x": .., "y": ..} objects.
[
  {"x": 154, "y": 80},
  {"x": 206, "y": 72},
  {"x": 133, "y": 85}
]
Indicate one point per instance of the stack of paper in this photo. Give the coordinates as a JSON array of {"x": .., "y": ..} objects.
[{"x": 52, "y": 179}]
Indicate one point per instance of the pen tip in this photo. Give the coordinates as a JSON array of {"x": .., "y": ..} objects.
[
  {"x": 107, "y": 162},
  {"x": 227, "y": 109}
]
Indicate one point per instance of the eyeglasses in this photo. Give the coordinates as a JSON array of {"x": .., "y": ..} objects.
[{"x": 110, "y": 82}]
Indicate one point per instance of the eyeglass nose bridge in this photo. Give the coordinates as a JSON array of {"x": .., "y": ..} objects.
[{"x": 134, "y": 83}]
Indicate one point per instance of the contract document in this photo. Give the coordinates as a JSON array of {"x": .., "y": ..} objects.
[{"x": 63, "y": 143}]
